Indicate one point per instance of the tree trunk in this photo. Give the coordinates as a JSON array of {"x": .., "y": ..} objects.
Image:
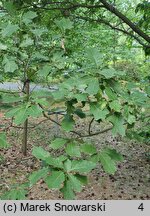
[{"x": 25, "y": 128}]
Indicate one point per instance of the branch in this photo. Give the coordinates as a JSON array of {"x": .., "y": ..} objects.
[
  {"x": 72, "y": 6},
  {"x": 19, "y": 127},
  {"x": 90, "y": 124},
  {"x": 97, "y": 133},
  {"x": 121, "y": 16},
  {"x": 105, "y": 22}
]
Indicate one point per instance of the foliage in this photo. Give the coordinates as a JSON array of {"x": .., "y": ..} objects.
[
  {"x": 68, "y": 171},
  {"x": 17, "y": 192},
  {"x": 94, "y": 84}
]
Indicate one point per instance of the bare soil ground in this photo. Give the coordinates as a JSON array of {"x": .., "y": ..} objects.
[{"x": 131, "y": 181}]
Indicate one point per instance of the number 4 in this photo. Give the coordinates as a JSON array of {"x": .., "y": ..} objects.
[{"x": 141, "y": 207}]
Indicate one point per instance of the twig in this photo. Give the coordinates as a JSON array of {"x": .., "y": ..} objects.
[
  {"x": 90, "y": 124},
  {"x": 107, "y": 23},
  {"x": 67, "y": 8},
  {"x": 97, "y": 133}
]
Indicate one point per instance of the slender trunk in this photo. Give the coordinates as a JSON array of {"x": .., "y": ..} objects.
[
  {"x": 25, "y": 128},
  {"x": 25, "y": 138},
  {"x": 57, "y": 128}
]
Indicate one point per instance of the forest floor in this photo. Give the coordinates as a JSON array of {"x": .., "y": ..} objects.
[{"x": 131, "y": 181}]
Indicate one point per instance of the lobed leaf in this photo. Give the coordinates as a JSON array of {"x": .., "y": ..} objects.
[
  {"x": 107, "y": 163},
  {"x": 55, "y": 180},
  {"x": 58, "y": 143}
]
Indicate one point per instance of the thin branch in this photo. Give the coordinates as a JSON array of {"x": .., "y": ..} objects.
[
  {"x": 19, "y": 127},
  {"x": 110, "y": 7},
  {"x": 72, "y": 6},
  {"x": 97, "y": 133},
  {"x": 90, "y": 124},
  {"x": 56, "y": 113},
  {"x": 107, "y": 23}
]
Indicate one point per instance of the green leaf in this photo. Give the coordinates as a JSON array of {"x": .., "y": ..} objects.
[
  {"x": 28, "y": 17},
  {"x": 81, "y": 97},
  {"x": 10, "y": 7},
  {"x": 15, "y": 194},
  {"x": 67, "y": 165},
  {"x": 44, "y": 71},
  {"x": 131, "y": 119},
  {"x": 94, "y": 158},
  {"x": 59, "y": 95},
  {"x": 139, "y": 98},
  {"x": 55, "y": 162},
  {"x": 94, "y": 55},
  {"x": 58, "y": 60},
  {"x": 42, "y": 101},
  {"x": 67, "y": 123},
  {"x": 82, "y": 179},
  {"x": 113, "y": 154},
  {"x": 55, "y": 180},
  {"x": 37, "y": 175},
  {"x": 58, "y": 143},
  {"x": 115, "y": 105},
  {"x": 110, "y": 94},
  {"x": 80, "y": 113},
  {"x": 10, "y": 65},
  {"x": 82, "y": 166},
  {"x": 73, "y": 150},
  {"x": 40, "y": 153},
  {"x": 147, "y": 90},
  {"x": 93, "y": 87},
  {"x": 62, "y": 158},
  {"x": 3, "y": 141},
  {"x": 88, "y": 149},
  {"x": 12, "y": 112},
  {"x": 3, "y": 46},
  {"x": 107, "y": 163},
  {"x": 68, "y": 191},
  {"x": 64, "y": 24},
  {"x": 9, "y": 30},
  {"x": 76, "y": 184},
  {"x": 95, "y": 109},
  {"x": 118, "y": 124},
  {"x": 39, "y": 56},
  {"x": 20, "y": 114},
  {"x": 34, "y": 111},
  {"x": 11, "y": 99},
  {"x": 39, "y": 31},
  {"x": 27, "y": 42},
  {"x": 41, "y": 93},
  {"x": 108, "y": 73}
]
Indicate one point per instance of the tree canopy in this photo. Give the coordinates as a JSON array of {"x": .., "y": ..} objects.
[{"x": 96, "y": 53}]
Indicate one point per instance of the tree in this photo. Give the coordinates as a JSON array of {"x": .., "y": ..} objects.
[
  {"x": 73, "y": 8},
  {"x": 45, "y": 39}
]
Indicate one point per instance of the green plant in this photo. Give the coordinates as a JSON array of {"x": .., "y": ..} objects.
[
  {"x": 67, "y": 172},
  {"x": 90, "y": 87}
]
